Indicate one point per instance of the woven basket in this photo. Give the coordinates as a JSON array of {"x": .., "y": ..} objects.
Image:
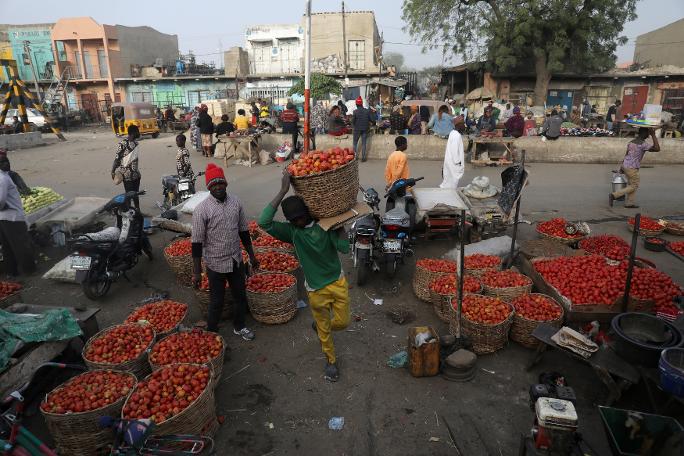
[
  {"x": 180, "y": 265},
  {"x": 521, "y": 331},
  {"x": 273, "y": 308},
  {"x": 566, "y": 241},
  {"x": 198, "y": 418},
  {"x": 487, "y": 338},
  {"x": 331, "y": 193},
  {"x": 442, "y": 303},
  {"x": 481, "y": 271},
  {"x": 204, "y": 298},
  {"x": 421, "y": 282},
  {"x": 508, "y": 293},
  {"x": 289, "y": 271},
  {"x": 216, "y": 363},
  {"x": 674, "y": 228},
  {"x": 162, "y": 334},
  {"x": 80, "y": 434},
  {"x": 265, "y": 248},
  {"x": 643, "y": 232},
  {"x": 138, "y": 366}
]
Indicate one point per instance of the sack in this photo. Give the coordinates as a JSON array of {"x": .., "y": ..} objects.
[
  {"x": 191, "y": 204},
  {"x": 62, "y": 272},
  {"x": 264, "y": 157}
]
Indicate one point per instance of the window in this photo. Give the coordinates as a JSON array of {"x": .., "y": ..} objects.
[
  {"x": 88, "y": 65},
  {"x": 102, "y": 63},
  {"x": 197, "y": 96},
  {"x": 357, "y": 54},
  {"x": 141, "y": 97},
  {"x": 79, "y": 70}
]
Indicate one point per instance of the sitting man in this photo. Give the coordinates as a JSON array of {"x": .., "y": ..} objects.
[
  {"x": 397, "y": 163},
  {"x": 486, "y": 124}
]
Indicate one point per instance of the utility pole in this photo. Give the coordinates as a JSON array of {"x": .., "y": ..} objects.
[
  {"x": 307, "y": 79},
  {"x": 344, "y": 44},
  {"x": 27, "y": 53}
]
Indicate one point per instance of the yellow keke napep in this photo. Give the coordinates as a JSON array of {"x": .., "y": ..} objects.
[{"x": 141, "y": 115}]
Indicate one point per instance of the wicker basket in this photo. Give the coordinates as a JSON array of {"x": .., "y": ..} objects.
[
  {"x": 204, "y": 298},
  {"x": 180, "y": 265},
  {"x": 442, "y": 303},
  {"x": 562, "y": 240},
  {"x": 421, "y": 282},
  {"x": 216, "y": 363},
  {"x": 198, "y": 418},
  {"x": 644, "y": 232},
  {"x": 675, "y": 228},
  {"x": 273, "y": 308},
  {"x": 162, "y": 334},
  {"x": 139, "y": 366},
  {"x": 341, "y": 185},
  {"x": 521, "y": 331},
  {"x": 508, "y": 293},
  {"x": 482, "y": 271},
  {"x": 486, "y": 338},
  {"x": 80, "y": 434},
  {"x": 266, "y": 248}
]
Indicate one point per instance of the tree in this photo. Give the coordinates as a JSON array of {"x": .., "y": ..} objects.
[
  {"x": 321, "y": 86},
  {"x": 552, "y": 36},
  {"x": 393, "y": 59}
]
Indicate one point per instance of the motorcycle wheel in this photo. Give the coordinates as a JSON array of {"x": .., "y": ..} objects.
[
  {"x": 95, "y": 286},
  {"x": 363, "y": 268},
  {"x": 391, "y": 260}
]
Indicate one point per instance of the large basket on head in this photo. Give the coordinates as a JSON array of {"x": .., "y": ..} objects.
[
  {"x": 676, "y": 228},
  {"x": 276, "y": 307},
  {"x": 204, "y": 299},
  {"x": 216, "y": 362},
  {"x": 508, "y": 293},
  {"x": 138, "y": 366},
  {"x": 198, "y": 418},
  {"x": 522, "y": 328},
  {"x": 422, "y": 277},
  {"x": 563, "y": 240},
  {"x": 80, "y": 434},
  {"x": 486, "y": 338},
  {"x": 645, "y": 232},
  {"x": 330, "y": 193},
  {"x": 181, "y": 265},
  {"x": 442, "y": 302}
]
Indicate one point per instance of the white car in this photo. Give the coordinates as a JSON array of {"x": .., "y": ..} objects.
[{"x": 33, "y": 115}]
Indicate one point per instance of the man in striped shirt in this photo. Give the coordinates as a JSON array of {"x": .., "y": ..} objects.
[{"x": 218, "y": 226}]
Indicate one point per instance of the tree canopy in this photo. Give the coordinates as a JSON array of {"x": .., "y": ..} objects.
[
  {"x": 393, "y": 59},
  {"x": 321, "y": 86},
  {"x": 551, "y": 36}
]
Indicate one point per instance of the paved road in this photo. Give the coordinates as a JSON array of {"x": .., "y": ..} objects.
[{"x": 387, "y": 412}]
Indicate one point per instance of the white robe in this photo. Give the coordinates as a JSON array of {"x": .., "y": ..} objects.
[{"x": 453, "y": 168}]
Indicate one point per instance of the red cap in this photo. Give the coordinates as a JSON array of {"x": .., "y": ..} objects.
[
  {"x": 359, "y": 101},
  {"x": 214, "y": 175}
]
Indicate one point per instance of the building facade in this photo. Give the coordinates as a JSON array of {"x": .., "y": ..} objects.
[
  {"x": 275, "y": 49},
  {"x": 661, "y": 46},
  {"x": 32, "y": 45},
  {"x": 176, "y": 91}
]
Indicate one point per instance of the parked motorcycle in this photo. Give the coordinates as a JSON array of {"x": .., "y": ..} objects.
[
  {"x": 397, "y": 224},
  {"x": 177, "y": 190},
  {"x": 363, "y": 237},
  {"x": 101, "y": 258}
]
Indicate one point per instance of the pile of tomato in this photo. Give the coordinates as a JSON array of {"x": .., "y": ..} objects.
[
  {"x": 8, "y": 289},
  {"x": 655, "y": 240},
  {"x": 318, "y": 161},
  {"x": 505, "y": 279},
  {"x": 647, "y": 223},
  {"x": 166, "y": 392},
  {"x": 435, "y": 265},
  {"x": 271, "y": 261},
  {"x": 181, "y": 247},
  {"x": 652, "y": 285},
  {"x": 196, "y": 346},
  {"x": 163, "y": 315},
  {"x": 253, "y": 227},
  {"x": 485, "y": 309},
  {"x": 608, "y": 245},
  {"x": 447, "y": 284},
  {"x": 556, "y": 227},
  {"x": 537, "y": 307},
  {"x": 266, "y": 240},
  {"x": 88, "y": 391},
  {"x": 120, "y": 344},
  {"x": 270, "y": 283},
  {"x": 677, "y": 247},
  {"x": 480, "y": 261}
]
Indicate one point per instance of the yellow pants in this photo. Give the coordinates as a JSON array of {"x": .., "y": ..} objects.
[{"x": 330, "y": 309}]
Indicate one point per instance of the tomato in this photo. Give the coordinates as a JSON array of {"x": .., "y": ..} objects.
[
  {"x": 480, "y": 261},
  {"x": 556, "y": 227},
  {"x": 271, "y": 261},
  {"x": 8, "y": 289},
  {"x": 88, "y": 391},
  {"x": 163, "y": 315},
  {"x": 266, "y": 240},
  {"x": 119, "y": 344},
  {"x": 181, "y": 247},
  {"x": 677, "y": 247},
  {"x": 196, "y": 346},
  {"x": 608, "y": 245},
  {"x": 435, "y": 265},
  {"x": 647, "y": 223},
  {"x": 270, "y": 283},
  {"x": 505, "y": 279},
  {"x": 447, "y": 284},
  {"x": 318, "y": 162},
  {"x": 537, "y": 307},
  {"x": 484, "y": 309}
]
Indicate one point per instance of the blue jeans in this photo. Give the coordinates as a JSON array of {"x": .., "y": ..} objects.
[{"x": 363, "y": 134}]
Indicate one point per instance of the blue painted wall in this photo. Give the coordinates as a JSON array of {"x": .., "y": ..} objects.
[
  {"x": 180, "y": 92},
  {"x": 41, "y": 51}
]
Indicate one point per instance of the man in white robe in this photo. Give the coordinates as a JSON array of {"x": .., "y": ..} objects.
[{"x": 454, "y": 159}]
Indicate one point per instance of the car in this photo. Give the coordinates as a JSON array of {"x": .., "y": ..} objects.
[{"x": 34, "y": 117}]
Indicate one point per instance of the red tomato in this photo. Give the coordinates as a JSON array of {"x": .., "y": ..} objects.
[
  {"x": 88, "y": 391},
  {"x": 435, "y": 265}
]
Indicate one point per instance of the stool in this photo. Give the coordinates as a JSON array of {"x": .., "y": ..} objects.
[{"x": 459, "y": 366}]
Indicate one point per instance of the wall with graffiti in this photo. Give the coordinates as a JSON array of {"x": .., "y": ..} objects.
[{"x": 40, "y": 50}]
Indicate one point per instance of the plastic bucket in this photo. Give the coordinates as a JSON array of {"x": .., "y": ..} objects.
[{"x": 671, "y": 367}]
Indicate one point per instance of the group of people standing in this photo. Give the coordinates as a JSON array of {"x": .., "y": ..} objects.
[{"x": 202, "y": 128}]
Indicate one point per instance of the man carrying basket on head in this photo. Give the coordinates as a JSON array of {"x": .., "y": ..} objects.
[{"x": 317, "y": 252}]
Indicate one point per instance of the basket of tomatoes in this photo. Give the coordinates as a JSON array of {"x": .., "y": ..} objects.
[
  {"x": 204, "y": 299},
  {"x": 255, "y": 231},
  {"x": 676, "y": 228},
  {"x": 608, "y": 245},
  {"x": 121, "y": 348},
  {"x": 177, "y": 398},
  {"x": 272, "y": 297},
  {"x": 72, "y": 411},
  {"x": 505, "y": 284},
  {"x": 486, "y": 321},
  {"x": 195, "y": 346},
  {"x": 327, "y": 181},
  {"x": 164, "y": 315},
  {"x": 478, "y": 263},
  {"x": 530, "y": 311},
  {"x": 272, "y": 261},
  {"x": 556, "y": 229},
  {"x": 647, "y": 226},
  {"x": 267, "y": 242},
  {"x": 178, "y": 255},
  {"x": 444, "y": 289},
  {"x": 427, "y": 270}
]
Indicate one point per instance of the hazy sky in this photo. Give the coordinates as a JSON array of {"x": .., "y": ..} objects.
[{"x": 205, "y": 26}]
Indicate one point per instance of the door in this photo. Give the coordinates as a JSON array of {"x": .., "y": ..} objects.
[
  {"x": 633, "y": 100},
  {"x": 89, "y": 104},
  {"x": 560, "y": 98},
  {"x": 262, "y": 56},
  {"x": 289, "y": 57}
]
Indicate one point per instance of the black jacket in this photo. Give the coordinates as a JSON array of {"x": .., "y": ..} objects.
[
  {"x": 424, "y": 114},
  {"x": 224, "y": 128},
  {"x": 205, "y": 124},
  {"x": 361, "y": 119}
]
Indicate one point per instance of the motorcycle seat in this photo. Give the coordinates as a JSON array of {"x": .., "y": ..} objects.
[
  {"x": 170, "y": 181},
  {"x": 111, "y": 233}
]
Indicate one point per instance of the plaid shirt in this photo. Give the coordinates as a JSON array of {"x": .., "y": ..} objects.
[{"x": 216, "y": 225}]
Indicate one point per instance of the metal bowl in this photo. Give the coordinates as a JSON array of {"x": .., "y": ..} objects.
[{"x": 640, "y": 337}]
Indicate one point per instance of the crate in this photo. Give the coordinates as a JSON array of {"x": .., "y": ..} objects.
[{"x": 423, "y": 360}]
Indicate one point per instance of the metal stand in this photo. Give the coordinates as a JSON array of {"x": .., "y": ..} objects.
[
  {"x": 509, "y": 263},
  {"x": 461, "y": 270},
  {"x": 630, "y": 266}
]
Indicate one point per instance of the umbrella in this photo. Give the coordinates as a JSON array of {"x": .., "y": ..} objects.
[{"x": 480, "y": 93}]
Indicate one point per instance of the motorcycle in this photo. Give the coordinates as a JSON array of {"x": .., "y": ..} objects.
[
  {"x": 363, "y": 237},
  {"x": 101, "y": 258},
  {"x": 177, "y": 190},
  {"x": 397, "y": 224}
]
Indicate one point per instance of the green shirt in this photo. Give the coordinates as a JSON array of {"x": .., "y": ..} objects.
[{"x": 316, "y": 248}]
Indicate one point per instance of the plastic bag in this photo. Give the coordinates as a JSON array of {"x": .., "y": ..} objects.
[
  {"x": 499, "y": 246},
  {"x": 264, "y": 157},
  {"x": 191, "y": 204},
  {"x": 62, "y": 272}
]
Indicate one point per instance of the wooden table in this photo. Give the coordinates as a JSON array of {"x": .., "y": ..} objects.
[
  {"x": 616, "y": 373},
  {"x": 506, "y": 141},
  {"x": 234, "y": 142}
]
